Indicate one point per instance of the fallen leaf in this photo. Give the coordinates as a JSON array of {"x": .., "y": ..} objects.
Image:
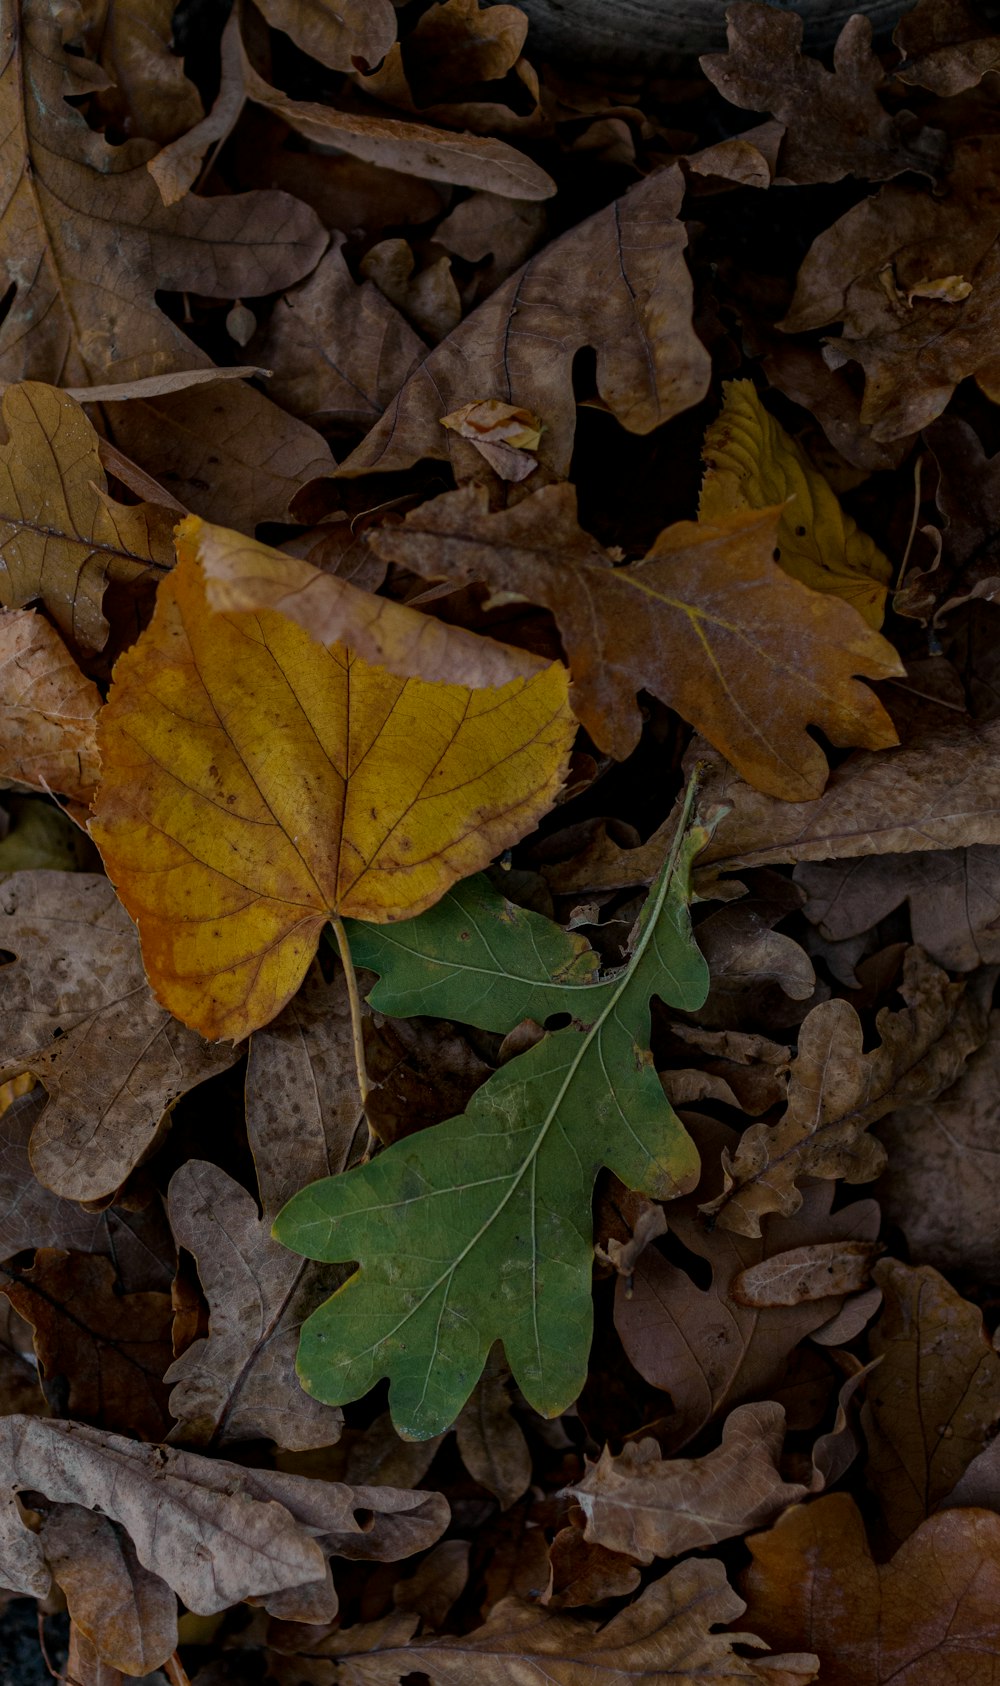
[
  {"x": 138, "y": 1241},
  {"x": 215, "y": 1532},
  {"x": 58, "y": 237},
  {"x": 78, "y": 1013},
  {"x": 806, "y": 1273},
  {"x": 928, "y": 1618},
  {"x": 583, "y": 1573},
  {"x": 690, "y": 1337},
  {"x": 716, "y": 629},
  {"x": 48, "y": 710},
  {"x": 953, "y": 897},
  {"x": 943, "y": 1189},
  {"x": 945, "y": 46},
  {"x": 836, "y": 1091},
  {"x": 358, "y": 30},
  {"x": 427, "y": 297},
  {"x": 231, "y": 862},
  {"x": 835, "y": 123},
  {"x": 340, "y": 350},
  {"x": 149, "y": 93},
  {"x": 453, "y": 45},
  {"x": 502, "y": 1194},
  {"x": 159, "y": 386},
  {"x": 101, "y": 1353},
  {"x": 491, "y": 1443},
  {"x": 747, "y": 1071},
  {"x": 648, "y": 1506},
  {"x": 752, "y": 463},
  {"x": 439, "y": 1579},
  {"x": 61, "y": 536},
  {"x": 933, "y": 1401},
  {"x": 752, "y": 966},
  {"x": 617, "y": 282},
  {"x": 665, "y": 1638},
  {"x": 495, "y": 235},
  {"x": 239, "y": 1382},
  {"x": 504, "y": 435},
  {"x": 128, "y": 1614},
  {"x": 968, "y": 496}
]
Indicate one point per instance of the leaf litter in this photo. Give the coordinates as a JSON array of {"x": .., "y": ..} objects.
[{"x": 498, "y": 828}]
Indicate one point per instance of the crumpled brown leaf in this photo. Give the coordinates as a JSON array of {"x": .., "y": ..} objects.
[
  {"x": 48, "y": 710},
  {"x": 128, "y": 1614},
  {"x": 101, "y": 1352},
  {"x": 934, "y": 1399},
  {"x": 664, "y": 1638},
  {"x": 928, "y": 1618},
  {"x": 703, "y": 612},
  {"x": 943, "y": 1188},
  {"x": 617, "y": 282},
  {"x": 953, "y": 897},
  {"x": 339, "y": 349},
  {"x": 341, "y": 36},
  {"x": 695, "y": 1342},
  {"x": 58, "y": 229},
  {"x": 835, "y": 123},
  {"x": 149, "y": 94},
  {"x": 215, "y": 1532},
  {"x": 239, "y": 1382},
  {"x": 946, "y": 45},
  {"x": 62, "y": 537},
  {"x": 836, "y": 1091},
  {"x": 79, "y": 1014},
  {"x": 648, "y": 1506}
]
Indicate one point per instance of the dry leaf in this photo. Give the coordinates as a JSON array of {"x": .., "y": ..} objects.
[
  {"x": 216, "y": 1532},
  {"x": 752, "y": 463},
  {"x": 617, "y": 282},
  {"x": 438, "y": 1581},
  {"x": 490, "y": 1441},
  {"x": 48, "y": 710},
  {"x": 648, "y": 1506},
  {"x": 61, "y": 536},
  {"x": 715, "y": 628},
  {"x": 59, "y": 237},
  {"x": 834, "y": 120},
  {"x": 806, "y": 1273},
  {"x": 128, "y": 1614},
  {"x": 428, "y": 297},
  {"x": 836, "y": 1091},
  {"x": 946, "y": 46},
  {"x": 78, "y": 1013},
  {"x": 232, "y": 861},
  {"x": 504, "y": 435},
  {"x": 239, "y": 1382},
  {"x": 943, "y": 1185},
  {"x": 953, "y": 897},
  {"x": 340, "y": 350},
  {"x": 664, "y": 1638},
  {"x": 690, "y": 1337},
  {"x": 149, "y": 93},
  {"x": 928, "y": 1618},
  {"x": 101, "y": 1353},
  {"x": 933, "y": 1401},
  {"x": 358, "y": 30}
]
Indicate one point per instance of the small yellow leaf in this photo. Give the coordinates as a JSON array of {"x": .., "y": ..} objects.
[
  {"x": 751, "y": 463},
  {"x": 946, "y": 289},
  {"x": 256, "y": 783},
  {"x": 493, "y": 420}
]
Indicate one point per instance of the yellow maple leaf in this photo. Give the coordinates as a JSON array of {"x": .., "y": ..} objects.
[
  {"x": 752, "y": 463},
  {"x": 257, "y": 783}
]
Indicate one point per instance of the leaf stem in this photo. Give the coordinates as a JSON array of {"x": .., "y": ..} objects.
[{"x": 357, "y": 1028}]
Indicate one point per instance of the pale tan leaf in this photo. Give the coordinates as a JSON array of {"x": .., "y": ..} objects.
[
  {"x": 806, "y": 1273},
  {"x": 48, "y": 709}
]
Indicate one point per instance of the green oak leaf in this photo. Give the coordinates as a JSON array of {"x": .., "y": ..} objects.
[{"x": 479, "y": 1229}]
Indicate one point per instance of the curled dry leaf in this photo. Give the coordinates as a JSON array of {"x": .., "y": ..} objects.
[
  {"x": 79, "y": 1014},
  {"x": 836, "y": 1091},
  {"x": 928, "y": 1618},
  {"x": 933, "y": 1401},
  {"x": 617, "y": 282},
  {"x": 340, "y": 350},
  {"x": 806, "y": 1273},
  {"x": 752, "y": 463},
  {"x": 944, "y": 1186},
  {"x": 101, "y": 1352},
  {"x": 946, "y": 46},
  {"x": 128, "y": 1614},
  {"x": 693, "y": 1339},
  {"x": 648, "y": 1506},
  {"x": 62, "y": 538},
  {"x": 583, "y": 1573},
  {"x": 387, "y": 790},
  {"x": 835, "y": 123},
  {"x": 215, "y": 1532},
  {"x": 665, "y": 1638},
  {"x": 503, "y": 434},
  {"x": 48, "y": 710},
  {"x": 149, "y": 94},
  {"x": 715, "y": 628},
  {"x": 239, "y": 1382}
]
